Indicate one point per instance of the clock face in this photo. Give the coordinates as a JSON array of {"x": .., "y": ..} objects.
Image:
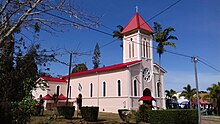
[{"x": 147, "y": 74}]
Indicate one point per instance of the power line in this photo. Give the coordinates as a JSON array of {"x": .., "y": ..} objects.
[
  {"x": 207, "y": 64},
  {"x": 163, "y": 11}
]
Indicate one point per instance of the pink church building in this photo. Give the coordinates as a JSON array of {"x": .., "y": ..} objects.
[{"x": 118, "y": 86}]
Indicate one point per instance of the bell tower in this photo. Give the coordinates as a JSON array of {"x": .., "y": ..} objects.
[{"x": 137, "y": 40}]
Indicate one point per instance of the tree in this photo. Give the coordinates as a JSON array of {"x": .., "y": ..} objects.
[
  {"x": 18, "y": 76},
  {"x": 96, "y": 56},
  {"x": 117, "y": 34},
  {"x": 79, "y": 68},
  {"x": 188, "y": 93},
  {"x": 48, "y": 14},
  {"x": 18, "y": 67},
  {"x": 214, "y": 95},
  {"x": 162, "y": 37},
  {"x": 170, "y": 94}
]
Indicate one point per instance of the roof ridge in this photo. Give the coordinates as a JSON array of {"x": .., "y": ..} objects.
[{"x": 106, "y": 68}]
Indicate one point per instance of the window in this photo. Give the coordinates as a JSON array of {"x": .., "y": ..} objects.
[
  {"x": 91, "y": 89},
  {"x": 129, "y": 50},
  {"x": 135, "y": 88},
  {"x": 143, "y": 49},
  {"x": 70, "y": 92},
  {"x": 104, "y": 89},
  {"x": 132, "y": 49},
  {"x": 158, "y": 89},
  {"x": 148, "y": 50},
  {"x": 80, "y": 87},
  {"x": 119, "y": 88},
  {"x": 58, "y": 90}
]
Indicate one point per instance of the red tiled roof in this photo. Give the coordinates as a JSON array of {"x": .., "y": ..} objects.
[
  {"x": 107, "y": 68},
  {"x": 52, "y": 79},
  {"x": 137, "y": 22}
]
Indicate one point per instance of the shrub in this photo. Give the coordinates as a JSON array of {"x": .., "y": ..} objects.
[
  {"x": 90, "y": 113},
  {"x": 142, "y": 114},
  {"x": 23, "y": 110},
  {"x": 173, "y": 117},
  {"x": 66, "y": 111}
]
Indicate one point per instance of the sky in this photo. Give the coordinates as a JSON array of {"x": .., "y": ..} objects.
[{"x": 197, "y": 24}]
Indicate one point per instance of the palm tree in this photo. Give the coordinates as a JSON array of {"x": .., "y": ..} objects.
[
  {"x": 162, "y": 37},
  {"x": 117, "y": 33},
  {"x": 188, "y": 93},
  {"x": 214, "y": 95},
  {"x": 170, "y": 94}
]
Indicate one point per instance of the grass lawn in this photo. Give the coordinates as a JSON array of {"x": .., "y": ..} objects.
[{"x": 110, "y": 118}]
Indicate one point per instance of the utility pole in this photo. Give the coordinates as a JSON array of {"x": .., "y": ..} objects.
[
  {"x": 70, "y": 64},
  {"x": 195, "y": 59}
]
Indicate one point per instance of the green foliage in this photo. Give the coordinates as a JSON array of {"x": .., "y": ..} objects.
[
  {"x": 23, "y": 110},
  {"x": 142, "y": 114},
  {"x": 162, "y": 37},
  {"x": 79, "y": 68},
  {"x": 170, "y": 93},
  {"x": 18, "y": 73},
  {"x": 214, "y": 95},
  {"x": 90, "y": 113},
  {"x": 96, "y": 56},
  {"x": 66, "y": 111},
  {"x": 118, "y": 34},
  {"x": 188, "y": 92},
  {"x": 178, "y": 116}
]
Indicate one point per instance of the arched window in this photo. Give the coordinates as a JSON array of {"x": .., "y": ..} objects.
[
  {"x": 143, "y": 49},
  {"x": 91, "y": 89},
  {"x": 58, "y": 90},
  {"x": 70, "y": 92},
  {"x": 132, "y": 49},
  {"x": 135, "y": 88},
  {"x": 119, "y": 88},
  {"x": 129, "y": 50},
  {"x": 158, "y": 89},
  {"x": 104, "y": 89}
]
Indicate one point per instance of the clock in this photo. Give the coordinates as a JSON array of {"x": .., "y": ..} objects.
[{"x": 147, "y": 74}]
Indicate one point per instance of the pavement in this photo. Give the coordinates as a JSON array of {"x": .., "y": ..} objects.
[{"x": 210, "y": 120}]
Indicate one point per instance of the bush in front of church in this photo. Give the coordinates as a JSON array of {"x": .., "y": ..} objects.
[{"x": 142, "y": 115}]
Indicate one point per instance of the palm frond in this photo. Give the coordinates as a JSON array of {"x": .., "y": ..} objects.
[
  {"x": 169, "y": 43},
  {"x": 171, "y": 38}
]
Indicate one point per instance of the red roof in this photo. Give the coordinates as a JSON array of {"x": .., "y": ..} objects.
[
  {"x": 146, "y": 98},
  {"x": 52, "y": 79},
  {"x": 62, "y": 97},
  {"x": 47, "y": 97},
  {"x": 201, "y": 101},
  {"x": 137, "y": 22},
  {"x": 107, "y": 68}
]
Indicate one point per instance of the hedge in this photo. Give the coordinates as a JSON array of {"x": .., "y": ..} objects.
[{"x": 174, "y": 116}]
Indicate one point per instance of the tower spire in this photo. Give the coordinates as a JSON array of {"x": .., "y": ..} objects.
[{"x": 136, "y": 9}]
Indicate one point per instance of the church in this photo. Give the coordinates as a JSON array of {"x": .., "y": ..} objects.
[{"x": 118, "y": 86}]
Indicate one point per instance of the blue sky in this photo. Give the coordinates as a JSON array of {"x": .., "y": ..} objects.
[{"x": 197, "y": 24}]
